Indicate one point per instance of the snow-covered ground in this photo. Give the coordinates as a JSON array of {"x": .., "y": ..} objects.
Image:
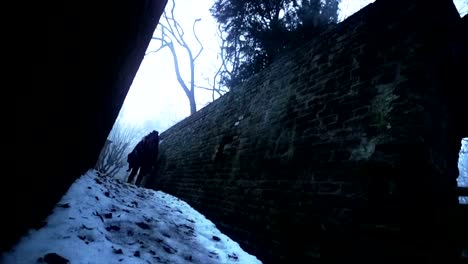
[
  {"x": 102, "y": 220},
  {"x": 463, "y": 168}
]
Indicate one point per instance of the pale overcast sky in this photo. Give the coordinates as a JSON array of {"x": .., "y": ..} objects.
[{"x": 156, "y": 97}]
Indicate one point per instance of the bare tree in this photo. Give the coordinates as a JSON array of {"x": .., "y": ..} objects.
[
  {"x": 226, "y": 69},
  {"x": 112, "y": 158},
  {"x": 170, "y": 33}
]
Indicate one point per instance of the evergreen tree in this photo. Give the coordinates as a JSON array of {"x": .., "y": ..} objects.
[{"x": 257, "y": 31}]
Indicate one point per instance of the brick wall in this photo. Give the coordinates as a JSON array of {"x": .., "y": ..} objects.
[{"x": 338, "y": 151}]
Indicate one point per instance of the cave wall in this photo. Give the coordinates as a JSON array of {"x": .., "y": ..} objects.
[{"x": 67, "y": 69}]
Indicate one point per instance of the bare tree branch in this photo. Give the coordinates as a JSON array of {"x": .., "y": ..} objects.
[
  {"x": 201, "y": 46},
  {"x": 160, "y": 48},
  {"x": 112, "y": 158},
  {"x": 177, "y": 70},
  {"x": 215, "y": 82},
  {"x": 203, "y": 87},
  {"x": 174, "y": 27}
]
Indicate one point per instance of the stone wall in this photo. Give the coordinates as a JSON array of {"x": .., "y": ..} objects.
[{"x": 341, "y": 150}]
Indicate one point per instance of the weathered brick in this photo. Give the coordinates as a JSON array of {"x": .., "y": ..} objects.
[{"x": 316, "y": 128}]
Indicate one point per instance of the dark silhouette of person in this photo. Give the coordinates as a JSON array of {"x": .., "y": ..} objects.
[
  {"x": 143, "y": 157},
  {"x": 133, "y": 163}
]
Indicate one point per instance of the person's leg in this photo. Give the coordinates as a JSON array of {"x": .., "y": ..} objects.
[
  {"x": 132, "y": 174},
  {"x": 144, "y": 170}
]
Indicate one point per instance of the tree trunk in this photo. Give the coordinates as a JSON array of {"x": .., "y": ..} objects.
[{"x": 193, "y": 106}]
